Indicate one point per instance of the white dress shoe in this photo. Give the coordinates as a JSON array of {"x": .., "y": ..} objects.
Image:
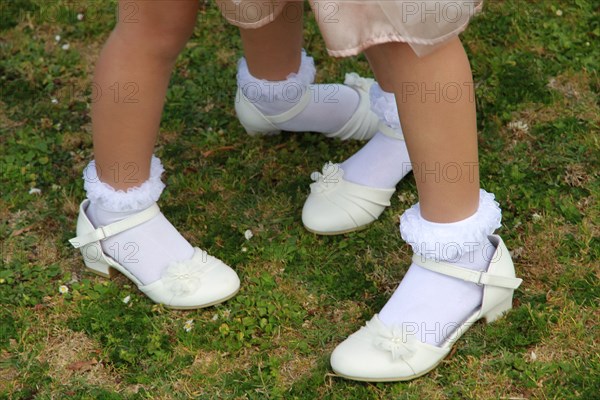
[
  {"x": 361, "y": 126},
  {"x": 378, "y": 353},
  {"x": 201, "y": 281},
  {"x": 337, "y": 206}
]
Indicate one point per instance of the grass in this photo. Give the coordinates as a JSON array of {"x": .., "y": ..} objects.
[{"x": 536, "y": 73}]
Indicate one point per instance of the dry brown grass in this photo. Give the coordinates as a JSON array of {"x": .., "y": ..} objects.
[{"x": 72, "y": 354}]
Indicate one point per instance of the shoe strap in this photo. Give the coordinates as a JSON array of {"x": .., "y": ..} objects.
[
  {"x": 294, "y": 111},
  {"x": 104, "y": 232},
  {"x": 478, "y": 277}
]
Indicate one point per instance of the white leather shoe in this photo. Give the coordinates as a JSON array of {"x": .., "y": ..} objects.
[
  {"x": 337, "y": 206},
  {"x": 201, "y": 281},
  {"x": 377, "y": 353},
  {"x": 361, "y": 126}
]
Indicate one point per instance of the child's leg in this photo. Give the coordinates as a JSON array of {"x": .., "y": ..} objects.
[
  {"x": 442, "y": 141},
  {"x": 383, "y": 162},
  {"x": 273, "y": 51},
  {"x": 275, "y": 73},
  {"x": 451, "y": 223},
  {"x": 436, "y": 104},
  {"x": 132, "y": 75},
  {"x": 437, "y": 112}
]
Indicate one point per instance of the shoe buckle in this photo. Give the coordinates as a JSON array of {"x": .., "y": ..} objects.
[
  {"x": 104, "y": 234},
  {"x": 479, "y": 278}
]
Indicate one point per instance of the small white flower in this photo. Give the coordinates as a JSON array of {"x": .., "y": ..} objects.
[
  {"x": 189, "y": 324},
  {"x": 248, "y": 234},
  {"x": 536, "y": 217},
  {"x": 126, "y": 299},
  {"x": 66, "y": 46},
  {"x": 215, "y": 317},
  {"x": 533, "y": 356},
  {"x": 244, "y": 249},
  {"x": 517, "y": 252},
  {"x": 63, "y": 289},
  {"x": 519, "y": 126},
  {"x": 80, "y": 17},
  {"x": 35, "y": 191},
  {"x": 559, "y": 12},
  {"x": 57, "y": 38},
  {"x": 54, "y": 100}
]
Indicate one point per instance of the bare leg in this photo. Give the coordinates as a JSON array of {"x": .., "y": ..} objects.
[
  {"x": 437, "y": 112},
  {"x": 273, "y": 51},
  {"x": 131, "y": 77}
]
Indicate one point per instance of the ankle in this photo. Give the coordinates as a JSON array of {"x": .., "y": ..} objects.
[
  {"x": 381, "y": 163},
  {"x": 478, "y": 259},
  {"x": 102, "y": 217},
  {"x": 276, "y": 97},
  {"x": 134, "y": 199},
  {"x": 144, "y": 250},
  {"x": 452, "y": 242},
  {"x": 430, "y": 299}
]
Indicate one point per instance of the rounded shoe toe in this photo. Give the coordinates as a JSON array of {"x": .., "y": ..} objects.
[
  {"x": 220, "y": 284},
  {"x": 321, "y": 215},
  {"x": 200, "y": 282},
  {"x": 358, "y": 359}
]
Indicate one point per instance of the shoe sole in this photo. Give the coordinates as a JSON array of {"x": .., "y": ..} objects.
[
  {"x": 403, "y": 379},
  {"x": 224, "y": 299},
  {"x": 357, "y": 229},
  {"x": 113, "y": 272}
]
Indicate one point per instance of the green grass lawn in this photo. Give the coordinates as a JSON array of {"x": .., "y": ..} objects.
[{"x": 536, "y": 74}]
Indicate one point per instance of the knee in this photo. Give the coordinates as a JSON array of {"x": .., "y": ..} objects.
[
  {"x": 162, "y": 37},
  {"x": 169, "y": 42}
]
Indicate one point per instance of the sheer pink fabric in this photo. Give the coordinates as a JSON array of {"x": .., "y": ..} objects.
[
  {"x": 251, "y": 14},
  {"x": 350, "y": 26}
]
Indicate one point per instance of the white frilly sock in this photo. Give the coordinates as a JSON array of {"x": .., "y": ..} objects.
[
  {"x": 432, "y": 305},
  {"x": 384, "y": 160},
  {"x": 147, "y": 249},
  {"x": 330, "y": 107}
]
